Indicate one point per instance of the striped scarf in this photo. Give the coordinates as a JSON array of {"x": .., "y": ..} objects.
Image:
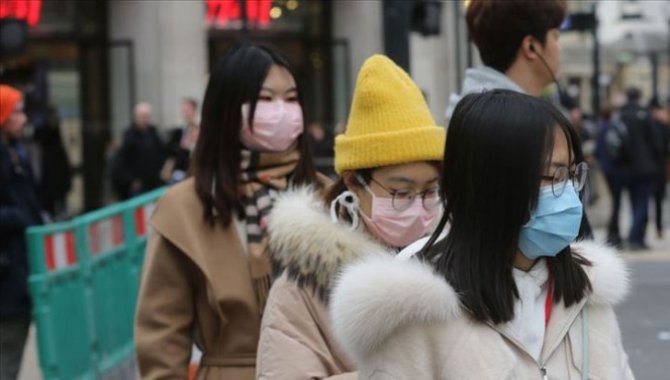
[{"x": 263, "y": 176}]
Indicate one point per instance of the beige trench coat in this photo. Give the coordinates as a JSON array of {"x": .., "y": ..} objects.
[{"x": 196, "y": 288}]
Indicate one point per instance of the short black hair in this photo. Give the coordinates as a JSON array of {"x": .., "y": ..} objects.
[
  {"x": 498, "y": 27},
  {"x": 498, "y": 144},
  {"x": 633, "y": 94}
]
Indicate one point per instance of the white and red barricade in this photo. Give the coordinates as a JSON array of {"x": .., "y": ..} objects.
[
  {"x": 105, "y": 235},
  {"x": 60, "y": 250},
  {"x": 142, "y": 218}
]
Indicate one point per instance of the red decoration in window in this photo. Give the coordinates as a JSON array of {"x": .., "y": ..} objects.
[
  {"x": 26, "y": 10},
  {"x": 220, "y": 12}
]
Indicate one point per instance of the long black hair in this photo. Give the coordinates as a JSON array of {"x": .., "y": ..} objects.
[
  {"x": 236, "y": 79},
  {"x": 497, "y": 146}
]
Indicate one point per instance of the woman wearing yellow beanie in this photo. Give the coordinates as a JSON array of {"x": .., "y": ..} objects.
[{"x": 386, "y": 198}]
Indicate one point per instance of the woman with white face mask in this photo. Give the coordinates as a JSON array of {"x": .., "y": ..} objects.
[
  {"x": 206, "y": 276},
  {"x": 386, "y": 198}
]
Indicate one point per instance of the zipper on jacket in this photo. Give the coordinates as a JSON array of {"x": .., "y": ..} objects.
[{"x": 543, "y": 371}]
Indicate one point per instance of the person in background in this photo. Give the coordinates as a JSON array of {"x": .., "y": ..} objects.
[
  {"x": 138, "y": 162},
  {"x": 386, "y": 198},
  {"x": 610, "y": 153},
  {"x": 639, "y": 165},
  {"x": 19, "y": 209},
  {"x": 181, "y": 143},
  {"x": 586, "y": 129},
  {"x": 661, "y": 136},
  {"x": 511, "y": 291},
  {"x": 321, "y": 146},
  {"x": 206, "y": 274},
  {"x": 56, "y": 178},
  {"x": 518, "y": 44}
]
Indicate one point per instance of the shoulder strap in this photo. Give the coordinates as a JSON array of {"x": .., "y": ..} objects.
[{"x": 585, "y": 343}]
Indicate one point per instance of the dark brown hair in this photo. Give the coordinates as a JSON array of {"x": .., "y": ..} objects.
[
  {"x": 498, "y": 27},
  {"x": 236, "y": 79}
]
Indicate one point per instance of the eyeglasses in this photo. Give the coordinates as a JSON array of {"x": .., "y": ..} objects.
[
  {"x": 403, "y": 199},
  {"x": 562, "y": 175}
]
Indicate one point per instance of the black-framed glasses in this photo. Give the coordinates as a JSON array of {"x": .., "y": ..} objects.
[
  {"x": 403, "y": 199},
  {"x": 563, "y": 174}
]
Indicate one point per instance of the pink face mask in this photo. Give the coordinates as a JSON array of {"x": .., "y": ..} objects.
[
  {"x": 399, "y": 228},
  {"x": 276, "y": 126}
]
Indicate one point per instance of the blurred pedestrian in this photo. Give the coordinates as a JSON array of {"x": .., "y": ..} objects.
[
  {"x": 610, "y": 152},
  {"x": 137, "y": 164},
  {"x": 19, "y": 209},
  {"x": 508, "y": 293},
  {"x": 518, "y": 44},
  {"x": 56, "y": 178},
  {"x": 586, "y": 130},
  {"x": 181, "y": 143},
  {"x": 386, "y": 198},
  {"x": 638, "y": 165},
  {"x": 321, "y": 146},
  {"x": 320, "y": 142},
  {"x": 661, "y": 135},
  {"x": 206, "y": 274}
]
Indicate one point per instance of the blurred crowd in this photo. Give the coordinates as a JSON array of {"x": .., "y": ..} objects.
[{"x": 629, "y": 143}]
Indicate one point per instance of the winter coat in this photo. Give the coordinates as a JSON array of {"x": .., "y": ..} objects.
[
  {"x": 309, "y": 250},
  {"x": 480, "y": 79},
  {"x": 140, "y": 158},
  {"x": 19, "y": 209},
  {"x": 400, "y": 320},
  {"x": 196, "y": 288},
  {"x": 642, "y": 150},
  {"x": 180, "y": 155},
  {"x": 56, "y": 178}
]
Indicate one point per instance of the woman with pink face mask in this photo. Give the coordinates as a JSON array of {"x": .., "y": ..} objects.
[
  {"x": 386, "y": 198},
  {"x": 206, "y": 276}
]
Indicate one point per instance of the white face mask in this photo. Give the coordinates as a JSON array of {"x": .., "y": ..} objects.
[{"x": 276, "y": 126}]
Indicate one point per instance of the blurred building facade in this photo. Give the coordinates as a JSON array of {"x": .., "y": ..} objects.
[
  {"x": 93, "y": 60},
  {"x": 634, "y": 49}
]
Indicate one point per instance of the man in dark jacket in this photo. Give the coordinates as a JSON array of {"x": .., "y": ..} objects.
[
  {"x": 181, "y": 143},
  {"x": 661, "y": 135},
  {"x": 19, "y": 209},
  {"x": 137, "y": 165},
  {"x": 638, "y": 165}
]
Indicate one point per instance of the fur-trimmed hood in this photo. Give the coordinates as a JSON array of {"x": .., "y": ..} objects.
[
  {"x": 376, "y": 297},
  {"x": 306, "y": 244}
]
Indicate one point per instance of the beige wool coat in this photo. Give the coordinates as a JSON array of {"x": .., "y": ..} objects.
[
  {"x": 196, "y": 288},
  {"x": 309, "y": 250},
  {"x": 400, "y": 320}
]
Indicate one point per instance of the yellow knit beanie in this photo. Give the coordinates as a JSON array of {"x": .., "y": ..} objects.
[{"x": 389, "y": 122}]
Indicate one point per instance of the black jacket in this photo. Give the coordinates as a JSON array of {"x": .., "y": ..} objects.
[
  {"x": 140, "y": 158},
  {"x": 642, "y": 150},
  {"x": 181, "y": 156},
  {"x": 19, "y": 209}
]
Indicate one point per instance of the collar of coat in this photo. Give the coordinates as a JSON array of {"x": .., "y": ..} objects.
[
  {"x": 306, "y": 243},
  {"x": 379, "y": 295}
]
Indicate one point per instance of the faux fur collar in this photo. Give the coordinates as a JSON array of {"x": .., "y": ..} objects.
[
  {"x": 375, "y": 297},
  {"x": 308, "y": 245}
]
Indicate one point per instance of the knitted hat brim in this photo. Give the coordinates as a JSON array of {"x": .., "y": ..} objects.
[{"x": 389, "y": 148}]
